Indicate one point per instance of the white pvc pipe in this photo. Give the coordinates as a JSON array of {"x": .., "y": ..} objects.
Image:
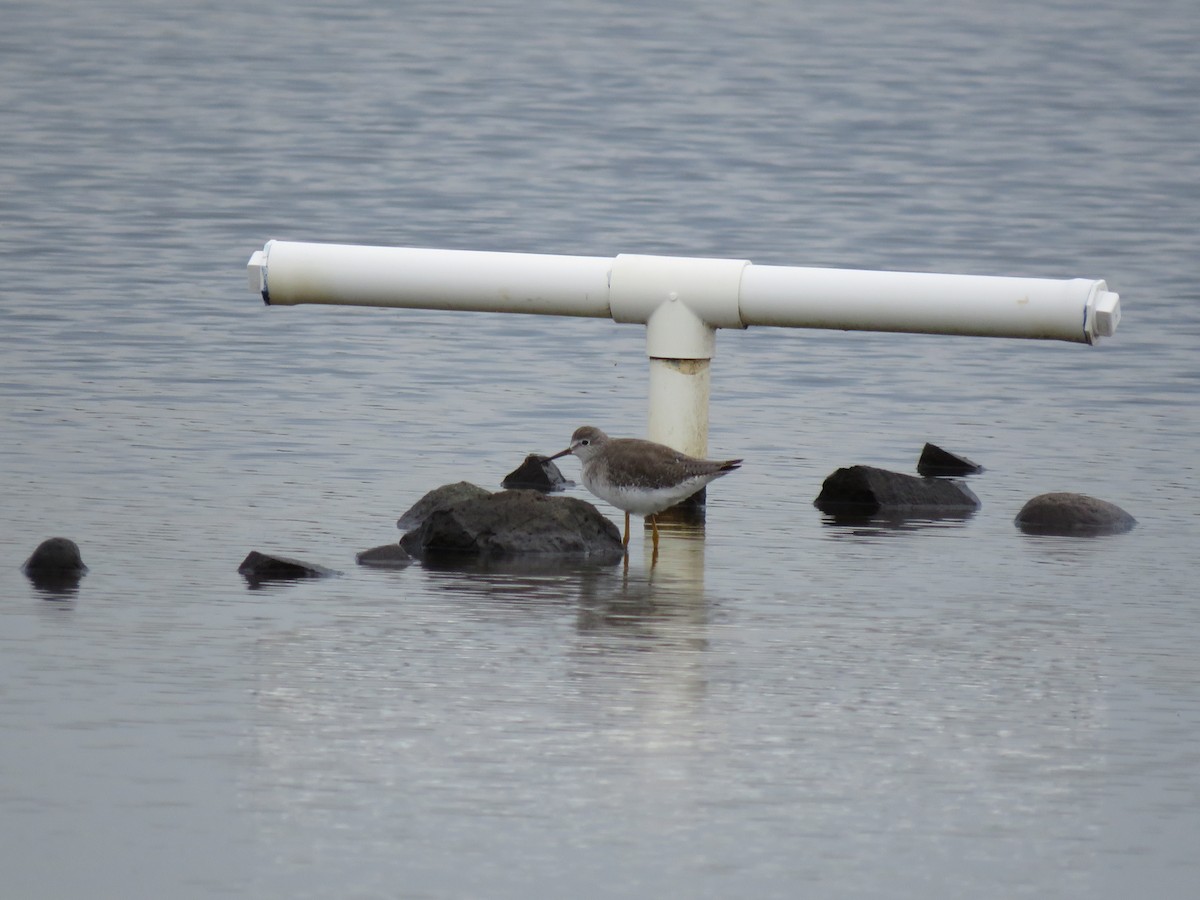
[
  {"x": 288, "y": 273},
  {"x": 683, "y": 301},
  {"x": 918, "y": 302},
  {"x": 678, "y": 415},
  {"x": 706, "y": 293}
]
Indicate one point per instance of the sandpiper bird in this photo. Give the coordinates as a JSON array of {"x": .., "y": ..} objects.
[{"x": 640, "y": 476}]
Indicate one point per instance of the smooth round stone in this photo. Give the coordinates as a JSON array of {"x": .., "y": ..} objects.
[{"x": 1067, "y": 513}]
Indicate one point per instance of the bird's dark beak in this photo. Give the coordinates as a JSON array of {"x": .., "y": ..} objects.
[{"x": 558, "y": 454}]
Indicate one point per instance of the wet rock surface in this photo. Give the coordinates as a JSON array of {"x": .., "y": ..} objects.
[
  {"x": 55, "y": 556},
  {"x": 867, "y": 489},
  {"x": 55, "y": 566},
  {"x": 537, "y": 473},
  {"x": 515, "y": 523},
  {"x": 257, "y": 568},
  {"x": 1067, "y": 513},
  {"x": 440, "y": 498},
  {"x": 936, "y": 461}
]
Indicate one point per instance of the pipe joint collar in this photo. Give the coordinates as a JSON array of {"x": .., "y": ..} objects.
[{"x": 709, "y": 288}]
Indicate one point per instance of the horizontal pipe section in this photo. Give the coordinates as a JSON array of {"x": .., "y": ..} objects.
[
  {"x": 715, "y": 293},
  {"x": 409, "y": 278},
  {"x": 918, "y": 302}
]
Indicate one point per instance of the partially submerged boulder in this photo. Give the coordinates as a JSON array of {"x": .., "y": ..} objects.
[
  {"x": 865, "y": 490},
  {"x": 55, "y": 566},
  {"x": 259, "y": 567},
  {"x": 55, "y": 557},
  {"x": 537, "y": 473},
  {"x": 389, "y": 556},
  {"x": 936, "y": 461},
  {"x": 516, "y": 523},
  {"x": 1065, "y": 513},
  {"x": 440, "y": 498}
]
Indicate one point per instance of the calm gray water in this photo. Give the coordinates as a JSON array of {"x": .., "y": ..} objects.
[{"x": 784, "y": 707}]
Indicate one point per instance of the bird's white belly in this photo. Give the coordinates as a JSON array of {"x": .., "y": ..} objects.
[{"x": 643, "y": 501}]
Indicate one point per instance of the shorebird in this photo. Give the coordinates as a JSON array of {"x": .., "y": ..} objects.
[{"x": 640, "y": 476}]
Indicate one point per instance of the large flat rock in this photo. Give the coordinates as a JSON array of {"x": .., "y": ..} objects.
[
  {"x": 867, "y": 490},
  {"x": 439, "y": 498},
  {"x": 516, "y": 523}
]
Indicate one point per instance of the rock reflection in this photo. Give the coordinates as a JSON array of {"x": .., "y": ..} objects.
[
  {"x": 645, "y": 599},
  {"x": 1072, "y": 549},
  {"x": 895, "y": 521},
  {"x": 56, "y": 586},
  {"x": 469, "y": 565}
]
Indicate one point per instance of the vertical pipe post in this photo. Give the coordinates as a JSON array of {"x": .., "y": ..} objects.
[
  {"x": 678, "y": 409},
  {"x": 682, "y": 302},
  {"x": 680, "y": 346}
]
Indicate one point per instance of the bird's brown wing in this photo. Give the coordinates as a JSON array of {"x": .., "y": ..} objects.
[{"x": 640, "y": 467}]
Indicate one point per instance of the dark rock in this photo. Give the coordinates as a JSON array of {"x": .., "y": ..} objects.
[
  {"x": 56, "y": 556},
  {"x": 55, "y": 567},
  {"x": 389, "y": 556},
  {"x": 936, "y": 461},
  {"x": 515, "y": 523},
  {"x": 866, "y": 489},
  {"x": 440, "y": 498},
  {"x": 259, "y": 567},
  {"x": 538, "y": 473},
  {"x": 1074, "y": 514}
]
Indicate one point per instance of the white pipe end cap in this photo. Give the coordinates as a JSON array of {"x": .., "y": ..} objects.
[
  {"x": 1106, "y": 314},
  {"x": 256, "y": 272}
]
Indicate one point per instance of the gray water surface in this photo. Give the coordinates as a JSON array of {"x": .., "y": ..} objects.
[{"x": 783, "y": 706}]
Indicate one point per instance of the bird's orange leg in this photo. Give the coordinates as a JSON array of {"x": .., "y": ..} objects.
[{"x": 625, "y": 541}]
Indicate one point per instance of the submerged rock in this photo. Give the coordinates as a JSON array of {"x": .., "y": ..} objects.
[
  {"x": 440, "y": 498},
  {"x": 866, "y": 489},
  {"x": 259, "y": 567},
  {"x": 56, "y": 556},
  {"x": 936, "y": 461},
  {"x": 538, "y": 473},
  {"x": 516, "y": 523},
  {"x": 1072, "y": 514},
  {"x": 389, "y": 556},
  {"x": 55, "y": 566}
]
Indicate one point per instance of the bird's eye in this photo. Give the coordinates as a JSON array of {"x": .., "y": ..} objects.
[{"x": 584, "y": 442}]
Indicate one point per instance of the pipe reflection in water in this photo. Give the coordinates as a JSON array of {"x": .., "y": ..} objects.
[{"x": 669, "y": 589}]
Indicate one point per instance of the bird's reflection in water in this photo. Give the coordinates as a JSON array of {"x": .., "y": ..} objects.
[{"x": 663, "y": 598}]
